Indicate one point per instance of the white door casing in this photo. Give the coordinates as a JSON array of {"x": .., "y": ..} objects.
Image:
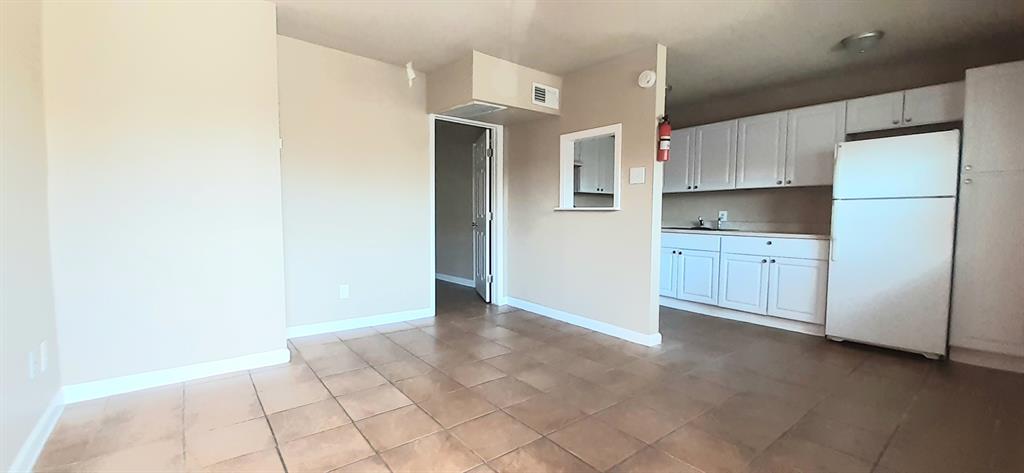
[{"x": 482, "y": 215}]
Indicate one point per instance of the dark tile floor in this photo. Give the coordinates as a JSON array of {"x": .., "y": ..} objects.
[{"x": 483, "y": 388}]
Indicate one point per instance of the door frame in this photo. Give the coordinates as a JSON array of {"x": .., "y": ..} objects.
[{"x": 499, "y": 199}]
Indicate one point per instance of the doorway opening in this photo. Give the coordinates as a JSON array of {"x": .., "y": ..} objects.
[{"x": 468, "y": 205}]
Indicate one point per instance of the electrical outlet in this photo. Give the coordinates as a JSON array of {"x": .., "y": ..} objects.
[
  {"x": 343, "y": 291},
  {"x": 32, "y": 365},
  {"x": 723, "y": 215},
  {"x": 44, "y": 358}
]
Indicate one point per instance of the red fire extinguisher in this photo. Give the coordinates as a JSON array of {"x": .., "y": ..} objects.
[{"x": 664, "y": 139}]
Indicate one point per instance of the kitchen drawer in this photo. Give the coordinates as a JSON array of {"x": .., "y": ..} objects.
[
  {"x": 689, "y": 241},
  {"x": 781, "y": 247}
]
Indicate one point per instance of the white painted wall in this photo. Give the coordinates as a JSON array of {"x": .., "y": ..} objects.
[
  {"x": 165, "y": 185},
  {"x": 26, "y": 291},
  {"x": 357, "y": 187}
]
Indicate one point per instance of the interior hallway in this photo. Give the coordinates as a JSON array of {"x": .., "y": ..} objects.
[{"x": 484, "y": 388}]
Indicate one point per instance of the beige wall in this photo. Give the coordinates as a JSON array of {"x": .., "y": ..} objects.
[
  {"x": 478, "y": 76},
  {"x": 453, "y": 194},
  {"x": 796, "y": 210},
  {"x": 165, "y": 195},
  {"x": 917, "y": 71},
  {"x": 593, "y": 264},
  {"x": 26, "y": 291},
  {"x": 356, "y": 185}
]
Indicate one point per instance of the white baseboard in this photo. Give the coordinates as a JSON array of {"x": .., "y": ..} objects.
[
  {"x": 123, "y": 384},
  {"x": 33, "y": 445},
  {"x": 588, "y": 323},
  {"x": 739, "y": 316},
  {"x": 986, "y": 359},
  {"x": 455, "y": 280},
  {"x": 359, "y": 322}
]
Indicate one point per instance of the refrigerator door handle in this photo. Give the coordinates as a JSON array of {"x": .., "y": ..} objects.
[{"x": 832, "y": 249}]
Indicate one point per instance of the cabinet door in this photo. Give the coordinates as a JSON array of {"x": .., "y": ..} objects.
[
  {"x": 744, "y": 283},
  {"x": 934, "y": 104},
  {"x": 667, "y": 274},
  {"x": 812, "y": 135},
  {"x": 607, "y": 166},
  {"x": 678, "y": 174},
  {"x": 877, "y": 112},
  {"x": 988, "y": 290},
  {"x": 715, "y": 156},
  {"x": 697, "y": 276},
  {"x": 761, "y": 151},
  {"x": 796, "y": 289},
  {"x": 590, "y": 166},
  {"x": 992, "y": 118}
]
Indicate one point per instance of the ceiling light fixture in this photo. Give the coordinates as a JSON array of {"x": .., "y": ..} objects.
[{"x": 863, "y": 41}]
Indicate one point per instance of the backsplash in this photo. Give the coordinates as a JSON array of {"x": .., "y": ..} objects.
[{"x": 785, "y": 210}]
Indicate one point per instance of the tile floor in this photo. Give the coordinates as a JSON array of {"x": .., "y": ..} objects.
[{"x": 493, "y": 389}]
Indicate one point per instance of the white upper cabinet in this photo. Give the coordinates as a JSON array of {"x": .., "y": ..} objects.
[
  {"x": 715, "y": 156},
  {"x": 761, "y": 151},
  {"x": 934, "y": 104},
  {"x": 812, "y": 135},
  {"x": 876, "y": 112},
  {"x": 678, "y": 171}
]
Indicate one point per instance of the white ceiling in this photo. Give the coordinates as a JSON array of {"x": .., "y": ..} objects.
[{"x": 715, "y": 47}]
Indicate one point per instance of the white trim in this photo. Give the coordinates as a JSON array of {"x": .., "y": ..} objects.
[
  {"x": 123, "y": 384},
  {"x": 29, "y": 452},
  {"x": 588, "y": 323},
  {"x": 740, "y": 316},
  {"x": 566, "y": 194},
  {"x": 359, "y": 322},
  {"x": 499, "y": 205},
  {"x": 455, "y": 280},
  {"x": 987, "y": 359}
]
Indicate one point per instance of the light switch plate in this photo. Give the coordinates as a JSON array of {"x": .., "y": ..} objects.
[
  {"x": 637, "y": 175},
  {"x": 723, "y": 215}
]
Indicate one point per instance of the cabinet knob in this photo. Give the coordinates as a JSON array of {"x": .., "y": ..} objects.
[
  {"x": 908, "y": 119},
  {"x": 968, "y": 180},
  {"x": 895, "y": 122},
  {"x": 769, "y": 242},
  {"x": 694, "y": 187},
  {"x": 764, "y": 261},
  {"x": 789, "y": 181},
  {"x": 778, "y": 182},
  {"x": 689, "y": 187},
  {"x": 967, "y": 167},
  {"x": 773, "y": 260}
]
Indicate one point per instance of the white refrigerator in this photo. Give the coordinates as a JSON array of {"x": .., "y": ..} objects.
[{"x": 891, "y": 256}]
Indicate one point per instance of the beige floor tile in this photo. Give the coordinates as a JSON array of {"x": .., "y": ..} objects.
[
  {"x": 370, "y": 402},
  {"x": 472, "y": 374},
  {"x": 423, "y": 387},
  {"x": 705, "y": 451},
  {"x": 221, "y": 402},
  {"x": 70, "y": 438},
  {"x": 543, "y": 377},
  {"x": 676, "y": 406},
  {"x": 864, "y": 444},
  {"x": 399, "y": 370},
  {"x": 651, "y": 460},
  {"x": 263, "y": 461},
  {"x": 636, "y": 419},
  {"x": 356, "y": 333},
  {"x": 352, "y": 381},
  {"x": 749, "y": 419},
  {"x": 161, "y": 456},
  {"x": 597, "y": 443},
  {"x": 283, "y": 397},
  {"x": 307, "y": 420},
  {"x": 286, "y": 375},
  {"x": 801, "y": 455},
  {"x": 132, "y": 426},
  {"x": 205, "y": 448},
  {"x": 506, "y": 391},
  {"x": 326, "y": 450},
  {"x": 372, "y": 464},
  {"x": 494, "y": 434},
  {"x": 585, "y": 396},
  {"x": 545, "y": 413},
  {"x": 336, "y": 364},
  {"x": 542, "y": 455},
  {"x": 394, "y": 428},
  {"x": 439, "y": 452},
  {"x": 456, "y": 407},
  {"x": 514, "y": 363}
]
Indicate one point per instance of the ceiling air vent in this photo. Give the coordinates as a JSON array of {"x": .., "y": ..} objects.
[
  {"x": 545, "y": 96},
  {"x": 473, "y": 109}
]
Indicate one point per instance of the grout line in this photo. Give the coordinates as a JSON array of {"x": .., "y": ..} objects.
[{"x": 266, "y": 418}]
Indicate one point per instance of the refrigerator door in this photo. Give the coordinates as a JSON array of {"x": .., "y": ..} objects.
[
  {"x": 890, "y": 272},
  {"x": 923, "y": 165}
]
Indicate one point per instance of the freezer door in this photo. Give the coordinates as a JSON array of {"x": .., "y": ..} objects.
[
  {"x": 890, "y": 272},
  {"x": 923, "y": 165}
]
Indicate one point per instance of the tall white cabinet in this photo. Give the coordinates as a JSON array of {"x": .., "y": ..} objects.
[{"x": 987, "y": 312}]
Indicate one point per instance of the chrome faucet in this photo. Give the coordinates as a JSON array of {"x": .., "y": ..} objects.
[{"x": 700, "y": 221}]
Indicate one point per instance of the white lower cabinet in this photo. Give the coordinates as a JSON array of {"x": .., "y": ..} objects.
[
  {"x": 667, "y": 275},
  {"x": 796, "y": 289},
  {"x": 697, "y": 276},
  {"x": 744, "y": 283}
]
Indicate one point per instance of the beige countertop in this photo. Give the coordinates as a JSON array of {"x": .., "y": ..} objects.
[{"x": 807, "y": 236}]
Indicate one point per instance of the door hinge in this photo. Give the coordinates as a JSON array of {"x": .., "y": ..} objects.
[
  {"x": 490, "y": 278},
  {"x": 490, "y": 216},
  {"x": 490, "y": 152}
]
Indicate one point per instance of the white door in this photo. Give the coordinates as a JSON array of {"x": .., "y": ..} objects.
[
  {"x": 922, "y": 165},
  {"x": 482, "y": 215},
  {"x": 761, "y": 151},
  {"x": 744, "y": 283},
  {"x": 934, "y": 104},
  {"x": 812, "y": 135},
  {"x": 988, "y": 291},
  {"x": 715, "y": 156},
  {"x": 877, "y": 112},
  {"x": 796, "y": 289},
  {"x": 667, "y": 273},
  {"x": 677, "y": 171},
  {"x": 890, "y": 285},
  {"x": 697, "y": 276}
]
